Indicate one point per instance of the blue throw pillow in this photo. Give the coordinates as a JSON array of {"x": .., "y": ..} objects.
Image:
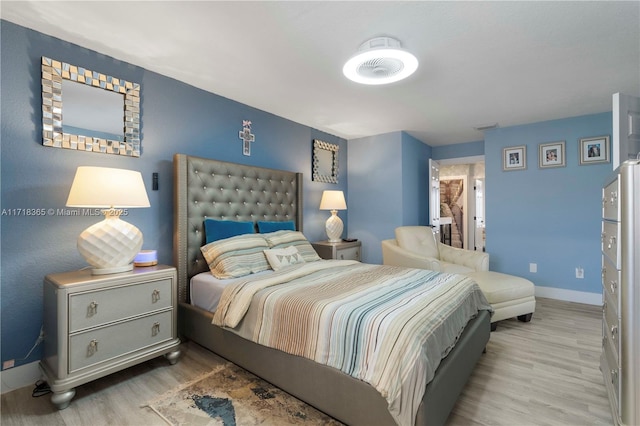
[
  {"x": 215, "y": 230},
  {"x": 265, "y": 227}
]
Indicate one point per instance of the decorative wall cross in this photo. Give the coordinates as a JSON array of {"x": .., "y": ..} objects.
[{"x": 247, "y": 137}]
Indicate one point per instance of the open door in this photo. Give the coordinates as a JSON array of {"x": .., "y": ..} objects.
[
  {"x": 626, "y": 128},
  {"x": 478, "y": 218},
  {"x": 434, "y": 196}
]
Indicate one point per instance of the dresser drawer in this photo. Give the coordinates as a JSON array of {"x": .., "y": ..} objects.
[
  {"x": 351, "y": 253},
  {"x": 99, "y": 307},
  {"x": 610, "y": 201},
  {"x": 103, "y": 344},
  {"x": 611, "y": 325},
  {"x": 611, "y": 372},
  {"x": 610, "y": 242},
  {"x": 611, "y": 281}
]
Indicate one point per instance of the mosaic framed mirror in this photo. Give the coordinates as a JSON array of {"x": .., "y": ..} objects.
[
  {"x": 325, "y": 162},
  {"x": 88, "y": 111}
]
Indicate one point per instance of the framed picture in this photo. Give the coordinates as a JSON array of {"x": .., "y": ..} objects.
[
  {"x": 594, "y": 150},
  {"x": 514, "y": 158},
  {"x": 551, "y": 155}
]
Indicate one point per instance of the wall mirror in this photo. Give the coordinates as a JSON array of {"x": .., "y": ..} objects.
[
  {"x": 89, "y": 111},
  {"x": 325, "y": 162}
]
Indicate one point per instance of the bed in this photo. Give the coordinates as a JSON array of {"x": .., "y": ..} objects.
[{"x": 205, "y": 188}]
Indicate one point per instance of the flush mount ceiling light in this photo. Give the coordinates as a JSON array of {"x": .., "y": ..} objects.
[{"x": 380, "y": 60}]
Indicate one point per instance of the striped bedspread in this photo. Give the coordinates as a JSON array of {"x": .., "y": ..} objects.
[{"x": 385, "y": 325}]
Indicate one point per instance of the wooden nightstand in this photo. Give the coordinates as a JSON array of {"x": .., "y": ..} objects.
[
  {"x": 341, "y": 251},
  {"x": 95, "y": 325}
]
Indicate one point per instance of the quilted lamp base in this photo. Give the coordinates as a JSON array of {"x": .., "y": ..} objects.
[
  {"x": 110, "y": 245},
  {"x": 334, "y": 227}
]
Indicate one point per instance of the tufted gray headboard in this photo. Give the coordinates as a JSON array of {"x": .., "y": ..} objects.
[{"x": 205, "y": 188}]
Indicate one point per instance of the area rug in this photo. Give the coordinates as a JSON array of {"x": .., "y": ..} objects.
[{"x": 230, "y": 396}]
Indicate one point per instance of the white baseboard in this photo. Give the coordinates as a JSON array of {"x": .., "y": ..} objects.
[
  {"x": 569, "y": 295},
  {"x": 19, "y": 377}
]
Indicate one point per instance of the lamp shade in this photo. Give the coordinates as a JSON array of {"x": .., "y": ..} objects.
[
  {"x": 104, "y": 187},
  {"x": 333, "y": 200}
]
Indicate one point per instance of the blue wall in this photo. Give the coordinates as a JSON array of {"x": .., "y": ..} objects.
[
  {"x": 176, "y": 118},
  {"x": 546, "y": 216},
  {"x": 467, "y": 149},
  {"x": 388, "y": 187}
]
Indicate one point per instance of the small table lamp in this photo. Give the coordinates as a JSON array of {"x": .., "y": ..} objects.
[
  {"x": 110, "y": 245},
  {"x": 334, "y": 201}
]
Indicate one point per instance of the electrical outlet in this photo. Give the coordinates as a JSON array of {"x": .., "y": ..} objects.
[
  {"x": 8, "y": 364},
  {"x": 533, "y": 267},
  {"x": 579, "y": 272}
]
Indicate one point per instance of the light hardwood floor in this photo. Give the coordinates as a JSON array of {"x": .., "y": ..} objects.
[{"x": 540, "y": 373}]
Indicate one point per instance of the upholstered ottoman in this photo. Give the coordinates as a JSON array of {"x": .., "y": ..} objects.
[{"x": 509, "y": 296}]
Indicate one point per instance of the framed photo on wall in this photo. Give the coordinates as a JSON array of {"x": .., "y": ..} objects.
[
  {"x": 594, "y": 150},
  {"x": 551, "y": 155},
  {"x": 514, "y": 158}
]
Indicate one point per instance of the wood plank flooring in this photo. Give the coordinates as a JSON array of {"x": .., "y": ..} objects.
[{"x": 540, "y": 373}]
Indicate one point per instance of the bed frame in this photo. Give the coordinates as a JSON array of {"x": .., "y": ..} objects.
[{"x": 205, "y": 188}]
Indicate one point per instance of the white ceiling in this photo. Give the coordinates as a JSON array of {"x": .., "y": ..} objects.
[{"x": 480, "y": 62}]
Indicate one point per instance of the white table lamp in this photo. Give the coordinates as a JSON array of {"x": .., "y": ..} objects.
[
  {"x": 110, "y": 245},
  {"x": 334, "y": 201}
]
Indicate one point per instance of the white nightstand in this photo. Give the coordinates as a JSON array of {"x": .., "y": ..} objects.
[
  {"x": 95, "y": 325},
  {"x": 342, "y": 250}
]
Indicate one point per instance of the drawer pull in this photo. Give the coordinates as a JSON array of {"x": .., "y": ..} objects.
[
  {"x": 92, "y": 348},
  {"x": 155, "y": 296},
  {"x": 92, "y": 309},
  {"x": 614, "y": 331},
  {"x": 603, "y": 273},
  {"x": 614, "y": 376},
  {"x": 155, "y": 330},
  {"x": 614, "y": 286},
  {"x": 612, "y": 241},
  {"x": 614, "y": 197}
]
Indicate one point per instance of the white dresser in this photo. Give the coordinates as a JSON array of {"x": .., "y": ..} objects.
[
  {"x": 95, "y": 325},
  {"x": 620, "y": 360}
]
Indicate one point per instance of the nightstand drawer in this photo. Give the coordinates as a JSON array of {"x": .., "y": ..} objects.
[
  {"x": 351, "y": 253},
  {"x": 112, "y": 304},
  {"x": 103, "y": 344}
]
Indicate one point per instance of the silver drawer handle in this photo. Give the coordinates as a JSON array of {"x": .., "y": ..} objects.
[
  {"x": 155, "y": 330},
  {"x": 614, "y": 197},
  {"x": 92, "y": 348},
  {"x": 92, "y": 309},
  {"x": 155, "y": 296},
  {"x": 614, "y": 331},
  {"x": 614, "y": 286},
  {"x": 612, "y": 241}
]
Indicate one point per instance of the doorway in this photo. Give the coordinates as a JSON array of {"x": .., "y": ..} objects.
[
  {"x": 462, "y": 197},
  {"x": 453, "y": 196}
]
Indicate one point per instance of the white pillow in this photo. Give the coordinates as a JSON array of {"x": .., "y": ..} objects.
[{"x": 279, "y": 258}]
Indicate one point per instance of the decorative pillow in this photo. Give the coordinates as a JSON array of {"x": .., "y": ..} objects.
[
  {"x": 279, "y": 258},
  {"x": 236, "y": 256},
  {"x": 284, "y": 239},
  {"x": 215, "y": 230},
  {"x": 266, "y": 226}
]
